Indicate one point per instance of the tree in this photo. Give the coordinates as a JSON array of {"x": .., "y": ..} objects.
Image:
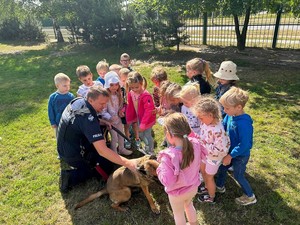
[
  {"x": 147, "y": 15},
  {"x": 18, "y": 23},
  {"x": 238, "y": 8},
  {"x": 162, "y": 20},
  {"x": 53, "y": 9}
]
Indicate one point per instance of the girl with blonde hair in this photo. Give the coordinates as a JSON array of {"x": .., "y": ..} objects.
[{"x": 194, "y": 71}]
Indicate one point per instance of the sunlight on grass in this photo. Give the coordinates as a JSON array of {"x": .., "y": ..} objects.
[{"x": 8, "y": 48}]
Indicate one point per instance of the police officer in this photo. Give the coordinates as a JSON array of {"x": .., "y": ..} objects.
[{"x": 80, "y": 141}]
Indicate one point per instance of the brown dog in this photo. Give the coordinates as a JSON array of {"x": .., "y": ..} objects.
[{"x": 119, "y": 183}]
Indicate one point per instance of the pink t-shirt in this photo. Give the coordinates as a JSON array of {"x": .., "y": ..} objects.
[{"x": 135, "y": 99}]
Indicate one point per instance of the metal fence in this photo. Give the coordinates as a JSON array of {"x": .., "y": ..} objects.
[{"x": 261, "y": 31}]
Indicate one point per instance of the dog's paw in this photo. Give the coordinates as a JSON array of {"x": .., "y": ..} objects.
[{"x": 156, "y": 210}]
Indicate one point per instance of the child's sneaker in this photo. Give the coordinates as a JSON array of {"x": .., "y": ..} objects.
[
  {"x": 127, "y": 144},
  {"x": 138, "y": 143},
  {"x": 145, "y": 150},
  {"x": 245, "y": 200},
  {"x": 206, "y": 198},
  {"x": 221, "y": 189},
  {"x": 202, "y": 190}
]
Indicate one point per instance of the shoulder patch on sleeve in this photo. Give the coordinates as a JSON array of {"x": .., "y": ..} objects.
[{"x": 91, "y": 117}]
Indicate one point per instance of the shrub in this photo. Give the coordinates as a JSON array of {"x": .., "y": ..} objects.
[
  {"x": 30, "y": 31},
  {"x": 10, "y": 29}
]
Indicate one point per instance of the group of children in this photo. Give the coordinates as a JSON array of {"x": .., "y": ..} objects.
[{"x": 202, "y": 132}]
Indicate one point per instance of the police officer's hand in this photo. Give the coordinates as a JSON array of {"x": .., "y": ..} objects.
[{"x": 132, "y": 165}]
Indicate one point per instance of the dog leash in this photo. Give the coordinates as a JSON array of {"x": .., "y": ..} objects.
[{"x": 120, "y": 133}]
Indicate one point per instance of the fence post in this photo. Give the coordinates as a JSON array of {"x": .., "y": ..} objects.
[
  {"x": 204, "y": 37},
  {"x": 279, "y": 12}
]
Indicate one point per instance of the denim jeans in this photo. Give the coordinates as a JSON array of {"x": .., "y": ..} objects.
[
  {"x": 146, "y": 136},
  {"x": 239, "y": 168}
]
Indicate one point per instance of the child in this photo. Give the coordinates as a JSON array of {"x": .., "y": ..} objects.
[
  {"x": 194, "y": 71},
  {"x": 215, "y": 142},
  {"x": 163, "y": 106},
  {"x": 59, "y": 99},
  {"x": 157, "y": 76},
  {"x": 114, "y": 104},
  {"x": 172, "y": 96},
  {"x": 102, "y": 68},
  {"x": 226, "y": 79},
  {"x": 238, "y": 126},
  {"x": 139, "y": 111},
  {"x": 179, "y": 166},
  {"x": 116, "y": 68},
  {"x": 125, "y": 61},
  {"x": 188, "y": 96},
  {"x": 85, "y": 75},
  {"x": 123, "y": 78}
]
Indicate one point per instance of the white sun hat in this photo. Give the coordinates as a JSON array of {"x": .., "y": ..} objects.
[
  {"x": 227, "y": 71},
  {"x": 111, "y": 78}
]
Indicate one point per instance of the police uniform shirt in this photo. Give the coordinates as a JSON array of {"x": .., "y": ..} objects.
[{"x": 77, "y": 133}]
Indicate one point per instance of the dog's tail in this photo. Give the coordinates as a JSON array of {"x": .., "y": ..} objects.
[{"x": 91, "y": 198}]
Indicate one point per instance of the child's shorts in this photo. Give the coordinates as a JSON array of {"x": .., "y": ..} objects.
[{"x": 211, "y": 166}]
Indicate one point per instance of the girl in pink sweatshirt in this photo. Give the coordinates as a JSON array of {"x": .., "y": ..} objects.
[
  {"x": 179, "y": 168},
  {"x": 139, "y": 112}
]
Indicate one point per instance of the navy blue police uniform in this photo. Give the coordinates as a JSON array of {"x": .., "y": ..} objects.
[{"x": 78, "y": 129}]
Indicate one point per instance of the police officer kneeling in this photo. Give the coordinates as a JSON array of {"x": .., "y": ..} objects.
[{"x": 80, "y": 141}]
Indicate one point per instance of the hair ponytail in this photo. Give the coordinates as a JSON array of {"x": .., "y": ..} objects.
[
  {"x": 187, "y": 153},
  {"x": 177, "y": 125}
]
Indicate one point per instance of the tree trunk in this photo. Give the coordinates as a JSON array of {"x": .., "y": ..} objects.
[
  {"x": 60, "y": 38},
  {"x": 54, "y": 28},
  {"x": 237, "y": 30},
  {"x": 241, "y": 37},
  {"x": 152, "y": 36}
]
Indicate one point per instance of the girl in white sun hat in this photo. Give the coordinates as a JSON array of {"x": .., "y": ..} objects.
[
  {"x": 226, "y": 79},
  {"x": 115, "y": 103}
]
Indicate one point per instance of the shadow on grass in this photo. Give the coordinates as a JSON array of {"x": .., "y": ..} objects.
[
  {"x": 270, "y": 208},
  {"x": 100, "y": 211}
]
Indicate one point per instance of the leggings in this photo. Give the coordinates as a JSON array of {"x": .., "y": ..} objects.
[
  {"x": 184, "y": 203},
  {"x": 116, "y": 138}
]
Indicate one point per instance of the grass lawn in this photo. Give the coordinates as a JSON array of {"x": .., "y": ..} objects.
[{"x": 29, "y": 169}]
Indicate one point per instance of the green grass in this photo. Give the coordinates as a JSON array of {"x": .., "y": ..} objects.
[{"x": 29, "y": 170}]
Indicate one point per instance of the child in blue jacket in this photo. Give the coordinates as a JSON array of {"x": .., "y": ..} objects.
[
  {"x": 59, "y": 99},
  {"x": 238, "y": 126}
]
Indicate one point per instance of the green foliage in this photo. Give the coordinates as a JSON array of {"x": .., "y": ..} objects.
[
  {"x": 162, "y": 21},
  {"x": 10, "y": 29},
  {"x": 31, "y": 31},
  {"x": 28, "y": 30}
]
